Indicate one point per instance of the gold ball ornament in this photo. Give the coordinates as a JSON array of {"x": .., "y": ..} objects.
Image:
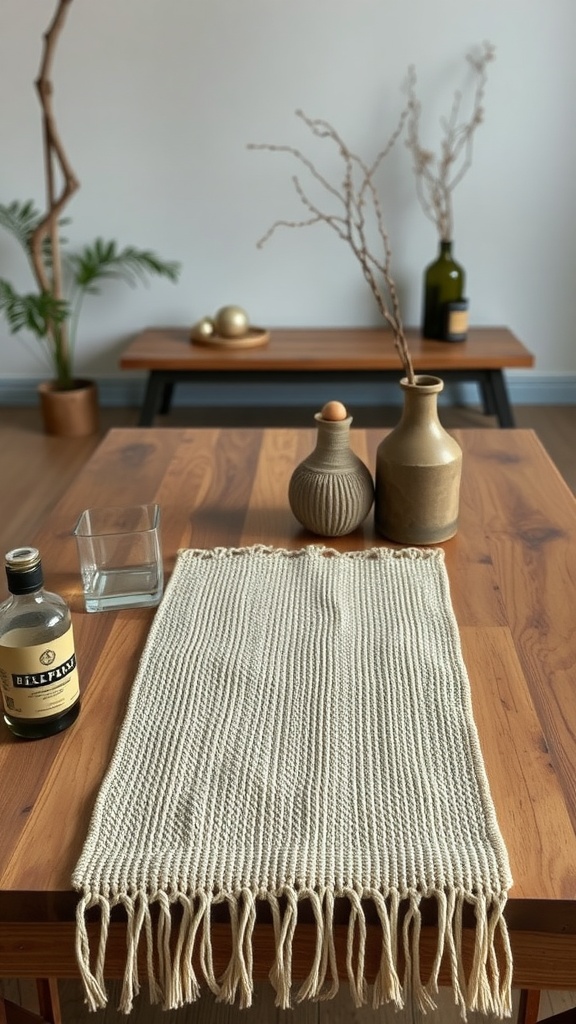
[
  {"x": 334, "y": 411},
  {"x": 231, "y": 322},
  {"x": 204, "y": 328}
]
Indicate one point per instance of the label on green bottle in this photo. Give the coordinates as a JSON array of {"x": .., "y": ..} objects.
[{"x": 456, "y": 322}]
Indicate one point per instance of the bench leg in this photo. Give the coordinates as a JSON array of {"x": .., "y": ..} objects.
[
  {"x": 495, "y": 387},
  {"x": 487, "y": 396},
  {"x": 153, "y": 399},
  {"x": 167, "y": 398}
]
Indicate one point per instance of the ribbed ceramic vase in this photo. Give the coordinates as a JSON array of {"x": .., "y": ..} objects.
[
  {"x": 418, "y": 468},
  {"x": 331, "y": 492}
]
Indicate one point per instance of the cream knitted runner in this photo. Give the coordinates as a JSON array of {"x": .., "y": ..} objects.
[{"x": 300, "y": 727}]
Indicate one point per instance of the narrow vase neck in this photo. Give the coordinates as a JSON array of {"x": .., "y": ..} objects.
[
  {"x": 421, "y": 402},
  {"x": 333, "y": 441},
  {"x": 445, "y": 248}
]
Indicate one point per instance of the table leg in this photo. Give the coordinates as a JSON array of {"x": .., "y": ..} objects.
[
  {"x": 496, "y": 384},
  {"x": 49, "y": 1000},
  {"x": 528, "y": 1006}
]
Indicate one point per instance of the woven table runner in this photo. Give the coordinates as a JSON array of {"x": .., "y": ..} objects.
[{"x": 300, "y": 728}]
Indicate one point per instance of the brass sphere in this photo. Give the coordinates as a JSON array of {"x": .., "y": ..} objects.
[
  {"x": 204, "y": 328},
  {"x": 231, "y": 322}
]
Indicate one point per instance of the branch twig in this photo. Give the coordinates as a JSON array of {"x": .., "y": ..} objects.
[
  {"x": 355, "y": 194},
  {"x": 438, "y": 175},
  {"x": 54, "y": 155}
]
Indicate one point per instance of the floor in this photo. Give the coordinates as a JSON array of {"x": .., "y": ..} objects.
[{"x": 35, "y": 470}]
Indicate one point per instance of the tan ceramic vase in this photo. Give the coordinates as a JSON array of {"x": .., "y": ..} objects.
[
  {"x": 418, "y": 467},
  {"x": 72, "y": 413},
  {"x": 332, "y": 491}
]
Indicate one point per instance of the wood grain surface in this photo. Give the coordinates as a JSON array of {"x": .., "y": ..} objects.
[
  {"x": 334, "y": 348},
  {"x": 512, "y": 569}
]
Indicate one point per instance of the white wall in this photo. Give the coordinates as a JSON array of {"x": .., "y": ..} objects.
[{"x": 157, "y": 99}]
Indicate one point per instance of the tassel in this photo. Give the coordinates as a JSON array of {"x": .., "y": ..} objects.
[
  {"x": 180, "y": 980},
  {"x": 412, "y": 929},
  {"x": 191, "y": 985},
  {"x": 163, "y": 947},
  {"x": 284, "y": 927},
  {"x": 328, "y": 950},
  {"x": 313, "y": 983},
  {"x": 478, "y": 987},
  {"x": 506, "y": 987},
  {"x": 206, "y": 961},
  {"x": 238, "y": 973},
  {"x": 357, "y": 923},
  {"x": 454, "y": 900},
  {"x": 387, "y": 986},
  {"x": 96, "y": 997},
  {"x": 130, "y": 985}
]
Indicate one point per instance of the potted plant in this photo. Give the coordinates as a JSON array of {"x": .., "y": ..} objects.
[
  {"x": 69, "y": 404},
  {"x": 62, "y": 280}
]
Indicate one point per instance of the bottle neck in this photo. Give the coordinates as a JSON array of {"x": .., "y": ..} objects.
[
  {"x": 445, "y": 248},
  {"x": 24, "y": 570},
  {"x": 25, "y": 584}
]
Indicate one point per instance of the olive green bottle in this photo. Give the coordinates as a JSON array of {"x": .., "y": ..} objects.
[{"x": 444, "y": 283}]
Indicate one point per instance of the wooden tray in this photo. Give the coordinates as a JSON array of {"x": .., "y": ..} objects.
[{"x": 256, "y": 336}]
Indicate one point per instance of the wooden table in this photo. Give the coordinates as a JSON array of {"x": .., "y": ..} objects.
[
  {"x": 331, "y": 355},
  {"x": 512, "y": 569}
]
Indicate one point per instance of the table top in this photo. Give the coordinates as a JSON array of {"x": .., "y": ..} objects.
[
  {"x": 512, "y": 571},
  {"x": 330, "y": 348}
]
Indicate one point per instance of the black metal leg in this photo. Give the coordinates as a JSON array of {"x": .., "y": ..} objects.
[
  {"x": 167, "y": 398},
  {"x": 502, "y": 406},
  {"x": 152, "y": 399},
  {"x": 487, "y": 395}
]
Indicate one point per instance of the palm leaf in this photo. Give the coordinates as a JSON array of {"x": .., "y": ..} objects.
[
  {"x": 103, "y": 260},
  {"x": 37, "y": 313},
  {"x": 21, "y": 219}
]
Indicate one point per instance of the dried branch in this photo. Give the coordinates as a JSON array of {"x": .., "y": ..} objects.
[
  {"x": 355, "y": 194},
  {"x": 47, "y": 264},
  {"x": 438, "y": 176}
]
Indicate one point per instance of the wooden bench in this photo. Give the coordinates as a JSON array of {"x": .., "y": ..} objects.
[{"x": 334, "y": 355}]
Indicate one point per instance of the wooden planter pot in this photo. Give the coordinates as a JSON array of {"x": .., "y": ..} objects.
[{"x": 72, "y": 413}]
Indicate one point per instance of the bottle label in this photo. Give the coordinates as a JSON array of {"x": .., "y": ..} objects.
[
  {"x": 458, "y": 321},
  {"x": 39, "y": 680}
]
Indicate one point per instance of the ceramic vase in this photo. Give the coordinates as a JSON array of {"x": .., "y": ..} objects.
[
  {"x": 418, "y": 467},
  {"x": 332, "y": 491}
]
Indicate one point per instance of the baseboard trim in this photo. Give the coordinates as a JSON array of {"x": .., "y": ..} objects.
[{"x": 128, "y": 392}]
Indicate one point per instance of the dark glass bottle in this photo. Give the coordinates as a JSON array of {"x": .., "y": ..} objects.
[
  {"x": 444, "y": 283},
  {"x": 38, "y": 674}
]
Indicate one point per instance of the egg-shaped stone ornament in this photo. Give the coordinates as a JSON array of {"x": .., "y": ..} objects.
[
  {"x": 231, "y": 322},
  {"x": 204, "y": 328},
  {"x": 334, "y": 411}
]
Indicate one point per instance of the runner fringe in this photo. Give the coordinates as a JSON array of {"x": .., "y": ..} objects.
[{"x": 173, "y": 982}]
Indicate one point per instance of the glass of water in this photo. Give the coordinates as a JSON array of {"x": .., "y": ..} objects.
[{"x": 120, "y": 557}]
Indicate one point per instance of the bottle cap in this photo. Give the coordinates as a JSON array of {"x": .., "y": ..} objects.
[{"x": 24, "y": 570}]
